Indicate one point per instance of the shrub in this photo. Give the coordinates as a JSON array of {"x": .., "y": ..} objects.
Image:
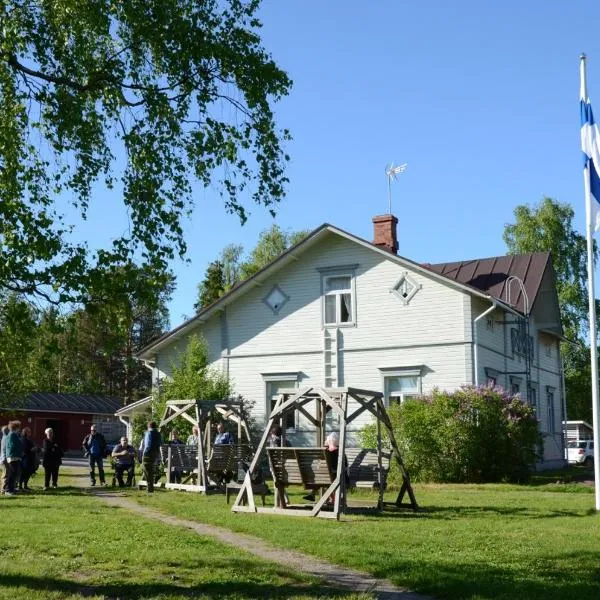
[
  {"x": 193, "y": 378},
  {"x": 470, "y": 435}
]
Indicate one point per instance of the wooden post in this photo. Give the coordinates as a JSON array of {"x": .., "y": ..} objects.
[
  {"x": 169, "y": 465},
  {"x": 379, "y": 461},
  {"x": 340, "y": 493},
  {"x": 199, "y": 449}
]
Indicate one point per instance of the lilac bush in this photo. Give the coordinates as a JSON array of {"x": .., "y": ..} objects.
[{"x": 474, "y": 434}]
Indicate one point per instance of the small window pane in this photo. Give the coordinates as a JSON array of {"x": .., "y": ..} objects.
[
  {"x": 330, "y": 309},
  {"x": 346, "y": 308},
  {"x": 290, "y": 420},
  {"x": 334, "y": 284},
  {"x": 402, "y": 384},
  {"x": 274, "y": 388}
]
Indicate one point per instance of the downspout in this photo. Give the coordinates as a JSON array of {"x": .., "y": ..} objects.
[
  {"x": 564, "y": 406},
  {"x": 475, "y": 341},
  {"x": 127, "y": 427}
]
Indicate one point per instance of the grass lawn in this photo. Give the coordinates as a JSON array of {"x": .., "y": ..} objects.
[
  {"x": 469, "y": 541},
  {"x": 67, "y": 544}
]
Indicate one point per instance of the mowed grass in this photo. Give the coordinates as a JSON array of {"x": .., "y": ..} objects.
[
  {"x": 468, "y": 541},
  {"x": 68, "y": 544}
]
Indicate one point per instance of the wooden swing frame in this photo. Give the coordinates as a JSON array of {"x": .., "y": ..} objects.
[
  {"x": 336, "y": 400},
  {"x": 199, "y": 412}
]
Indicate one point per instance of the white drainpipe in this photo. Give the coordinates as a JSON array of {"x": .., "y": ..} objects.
[
  {"x": 127, "y": 427},
  {"x": 475, "y": 343}
]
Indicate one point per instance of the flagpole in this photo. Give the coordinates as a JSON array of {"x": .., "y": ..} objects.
[{"x": 591, "y": 301}]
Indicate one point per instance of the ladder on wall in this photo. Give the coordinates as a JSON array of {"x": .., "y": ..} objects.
[{"x": 330, "y": 357}]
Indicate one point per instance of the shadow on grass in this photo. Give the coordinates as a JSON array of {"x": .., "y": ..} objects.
[
  {"x": 125, "y": 589},
  {"x": 453, "y": 512},
  {"x": 482, "y": 581}
]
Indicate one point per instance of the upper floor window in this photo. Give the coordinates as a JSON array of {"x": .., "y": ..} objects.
[
  {"x": 405, "y": 288},
  {"x": 338, "y": 299},
  {"x": 521, "y": 343}
]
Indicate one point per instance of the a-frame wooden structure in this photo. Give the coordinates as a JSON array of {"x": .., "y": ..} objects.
[
  {"x": 199, "y": 413},
  {"x": 302, "y": 465}
]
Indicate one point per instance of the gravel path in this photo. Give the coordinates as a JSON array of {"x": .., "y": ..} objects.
[{"x": 335, "y": 576}]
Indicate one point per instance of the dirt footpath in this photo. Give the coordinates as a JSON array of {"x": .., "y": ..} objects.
[{"x": 333, "y": 575}]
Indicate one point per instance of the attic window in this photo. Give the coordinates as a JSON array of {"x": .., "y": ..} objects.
[
  {"x": 405, "y": 288},
  {"x": 275, "y": 299}
]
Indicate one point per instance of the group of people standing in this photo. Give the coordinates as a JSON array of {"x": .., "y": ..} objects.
[{"x": 19, "y": 458}]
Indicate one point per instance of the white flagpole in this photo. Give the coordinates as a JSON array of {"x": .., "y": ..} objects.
[{"x": 592, "y": 302}]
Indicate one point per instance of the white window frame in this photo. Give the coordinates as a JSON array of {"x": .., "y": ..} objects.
[
  {"x": 338, "y": 271},
  {"x": 276, "y": 288},
  {"x": 293, "y": 377},
  {"x": 410, "y": 295},
  {"x": 388, "y": 372}
]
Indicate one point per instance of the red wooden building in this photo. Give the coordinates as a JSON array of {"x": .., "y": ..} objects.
[{"x": 69, "y": 415}]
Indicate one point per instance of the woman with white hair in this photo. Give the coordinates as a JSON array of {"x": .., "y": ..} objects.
[{"x": 52, "y": 459}]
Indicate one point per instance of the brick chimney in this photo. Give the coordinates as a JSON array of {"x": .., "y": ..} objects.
[{"x": 384, "y": 233}]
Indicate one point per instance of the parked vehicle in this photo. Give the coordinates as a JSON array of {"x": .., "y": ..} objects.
[{"x": 581, "y": 453}]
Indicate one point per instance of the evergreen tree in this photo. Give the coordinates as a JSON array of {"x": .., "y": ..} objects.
[{"x": 212, "y": 287}]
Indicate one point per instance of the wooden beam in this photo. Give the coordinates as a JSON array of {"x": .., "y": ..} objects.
[
  {"x": 288, "y": 402},
  {"x": 308, "y": 416}
]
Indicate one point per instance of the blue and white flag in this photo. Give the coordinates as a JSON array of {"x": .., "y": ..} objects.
[{"x": 590, "y": 144}]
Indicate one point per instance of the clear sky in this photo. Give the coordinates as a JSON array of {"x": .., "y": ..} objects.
[{"x": 479, "y": 98}]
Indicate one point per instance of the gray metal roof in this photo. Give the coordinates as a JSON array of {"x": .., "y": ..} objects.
[{"x": 71, "y": 403}]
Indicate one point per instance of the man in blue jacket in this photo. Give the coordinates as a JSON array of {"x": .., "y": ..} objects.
[
  {"x": 94, "y": 446},
  {"x": 13, "y": 452},
  {"x": 150, "y": 449}
]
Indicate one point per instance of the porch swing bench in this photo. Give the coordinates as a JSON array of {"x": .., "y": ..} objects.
[{"x": 300, "y": 466}]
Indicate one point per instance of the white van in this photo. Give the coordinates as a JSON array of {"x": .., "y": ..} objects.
[{"x": 581, "y": 453}]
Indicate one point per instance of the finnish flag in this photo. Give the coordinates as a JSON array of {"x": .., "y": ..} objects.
[{"x": 590, "y": 144}]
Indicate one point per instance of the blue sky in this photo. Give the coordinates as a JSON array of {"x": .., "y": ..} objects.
[{"x": 480, "y": 98}]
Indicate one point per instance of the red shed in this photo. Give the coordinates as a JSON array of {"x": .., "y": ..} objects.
[{"x": 70, "y": 416}]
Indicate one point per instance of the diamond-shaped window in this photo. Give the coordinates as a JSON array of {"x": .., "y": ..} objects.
[
  {"x": 405, "y": 288},
  {"x": 275, "y": 299}
]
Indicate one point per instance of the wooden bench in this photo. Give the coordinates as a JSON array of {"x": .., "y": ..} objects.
[
  {"x": 184, "y": 459},
  {"x": 303, "y": 466},
  {"x": 221, "y": 462},
  {"x": 363, "y": 467}
]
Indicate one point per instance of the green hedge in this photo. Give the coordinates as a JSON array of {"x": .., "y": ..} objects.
[{"x": 470, "y": 435}]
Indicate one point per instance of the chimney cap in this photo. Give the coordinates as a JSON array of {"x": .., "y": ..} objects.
[{"x": 385, "y": 218}]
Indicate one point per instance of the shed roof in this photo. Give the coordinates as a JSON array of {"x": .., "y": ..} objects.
[
  {"x": 491, "y": 275},
  {"x": 70, "y": 403}
]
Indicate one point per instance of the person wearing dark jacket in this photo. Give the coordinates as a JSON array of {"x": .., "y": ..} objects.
[
  {"x": 150, "y": 449},
  {"x": 28, "y": 462},
  {"x": 94, "y": 446},
  {"x": 52, "y": 459}
]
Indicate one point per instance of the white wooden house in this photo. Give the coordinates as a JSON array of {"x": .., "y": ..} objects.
[{"x": 337, "y": 310}]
